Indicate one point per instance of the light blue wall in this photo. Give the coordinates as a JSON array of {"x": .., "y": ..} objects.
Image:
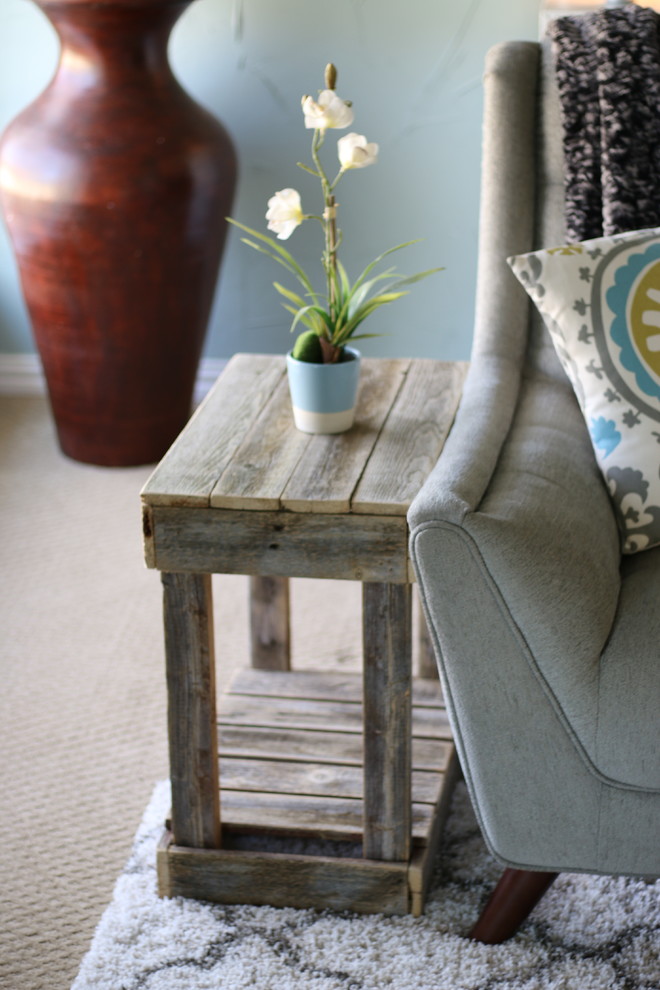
[{"x": 413, "y": 71}]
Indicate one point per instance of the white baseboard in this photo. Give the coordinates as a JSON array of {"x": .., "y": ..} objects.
[{"x": 21, "y": 374}]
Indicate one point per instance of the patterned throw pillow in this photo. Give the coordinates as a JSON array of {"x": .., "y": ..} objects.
[{"x": 600, "y": 301}]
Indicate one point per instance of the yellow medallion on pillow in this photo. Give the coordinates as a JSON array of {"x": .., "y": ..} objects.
[{"x": 600, "y": 301}]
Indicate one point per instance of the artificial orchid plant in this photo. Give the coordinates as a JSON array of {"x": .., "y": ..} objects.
[{"x": 331, "y": 318}]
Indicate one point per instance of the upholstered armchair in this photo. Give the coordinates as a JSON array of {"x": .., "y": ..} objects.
[{"x": 546, "y": 636}]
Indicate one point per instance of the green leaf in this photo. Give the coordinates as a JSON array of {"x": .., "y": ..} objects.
[
  {"x": 345, "y": 281},
  {"x": 366, "y": 310},
  {"x": 376, "y": 261},
  {"x": 306, "y": 168},
  {"x": 306, "y": 318},
  {"x": 291, "y": 296},
  {"x": 411, "y": 279},
  {"x": 303, "y": 314},
  {"x": 277, "y": 252},
  {"x": 359, "y": 294}
]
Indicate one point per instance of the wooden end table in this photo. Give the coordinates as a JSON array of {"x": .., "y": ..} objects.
[{"x": 324, "y": 757}]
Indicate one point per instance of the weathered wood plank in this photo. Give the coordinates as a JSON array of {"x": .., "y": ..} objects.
[
  {"x": 387, "y": 720},
  {"x": 411, "y": 439},
  {"x": 423, "y": 859},
  {"x": 198, "y": 457},
  {"x": 261, "y": 466},
  {"x": 326, "y": 477},
  {"x": 317, "y": 685},
  {"x": 306, "y": 815},
  {"x": 192, "y": 721},
  {"x": 426, "y": 662},
  {"x": 270, "y": 633},
  {"x": 245, "y": 877},
  {"x": 306, "y": 778},
  {"x": 298, "y": 713},
  {"x": 319, "y": 746},
  {"x": 148, "y": 536},
  {"x": 284, "y": 544}
]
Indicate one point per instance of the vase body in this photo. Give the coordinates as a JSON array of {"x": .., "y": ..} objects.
[
  {"x": 114, "y": 186},
  {"x": 324, "y": 396}
]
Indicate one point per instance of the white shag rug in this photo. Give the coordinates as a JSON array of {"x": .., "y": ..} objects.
[{"x": 588, "y": 933}]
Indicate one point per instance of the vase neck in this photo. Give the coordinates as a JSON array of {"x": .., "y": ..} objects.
[{"x": 113, "y": 38}]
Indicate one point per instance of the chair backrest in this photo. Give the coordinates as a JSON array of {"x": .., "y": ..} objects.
[{"x": 522, "y": 198}]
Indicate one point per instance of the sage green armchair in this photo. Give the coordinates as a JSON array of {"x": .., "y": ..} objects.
[{"x": 547, "y": 639}]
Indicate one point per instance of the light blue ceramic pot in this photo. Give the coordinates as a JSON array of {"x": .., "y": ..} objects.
[{"x": 323, "y": 396}]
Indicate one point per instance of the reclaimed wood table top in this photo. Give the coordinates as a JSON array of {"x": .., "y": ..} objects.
[{"x": 241, "y": 450}]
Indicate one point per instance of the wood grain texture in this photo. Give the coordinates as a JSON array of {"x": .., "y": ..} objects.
[
  {"x": 423, "y": 859},
  {"x": 323, "y": 685},
  {"x": 261, "y": 466},
  {"x": 192, "y": 721},
  {"x": 281, "y": 544},
  {"x": 412, "y": 437},
  {"x": 320, "y": 746},
  {"x": 300, "y": 713},
  {"x": 307, "y": 815},
  {"x": 427, "y": 666},
  {"x": 304, "y": 777},
  {"x": 243, "y": 877},
  {"x": 270, "y": 632},
  {"x": 326, "y": 477},
  {"x": 387, "y": 720},
  {"x": 190, "y": 469}
]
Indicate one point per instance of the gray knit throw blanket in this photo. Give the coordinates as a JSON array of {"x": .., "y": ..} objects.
[{"x": 608, "y": 74}]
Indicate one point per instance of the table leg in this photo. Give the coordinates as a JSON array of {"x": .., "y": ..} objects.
[
  {"x": 387, "y": 652},
  {"x": 192, "y": 724},
  {"x": 269, "y": 623},
  {"x": 426, "y": 666}
]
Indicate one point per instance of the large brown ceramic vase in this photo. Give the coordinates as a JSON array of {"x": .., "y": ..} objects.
[{"x": 114, "y": 187}]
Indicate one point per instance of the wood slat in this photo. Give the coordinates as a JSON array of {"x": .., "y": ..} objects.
[
  {"x": 322, "y": 685},
  {"x": 305, "y": 815},
  {"x": 229, "y": 876},
  {"x": 280, "y": 544},
  {"x": 188, "y": 472},
  {"x": 326, "y": 477},
  {"x": 411, "y": 439},
  {"x": 261, "y": 466},
  {"x": 320, "y": 746},
  {"x": 294, "y": 713},
  {"x": 319, "y": 779}
]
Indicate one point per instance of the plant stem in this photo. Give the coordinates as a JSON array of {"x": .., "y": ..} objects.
[{"x": 331, "y": 353}]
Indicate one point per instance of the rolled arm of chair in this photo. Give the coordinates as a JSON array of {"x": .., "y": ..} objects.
[
  {"x": 462, "y": 473},
  {"x": 506, "y": 227}
]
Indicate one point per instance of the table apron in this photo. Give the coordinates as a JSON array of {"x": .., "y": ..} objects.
[{"x": 285, "y": 544}]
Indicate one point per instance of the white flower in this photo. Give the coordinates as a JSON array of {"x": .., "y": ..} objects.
[
  {"x": 284, "y": 213},
  {"x": 328, "y": 111},
  {"x": 355, "y": 152}
]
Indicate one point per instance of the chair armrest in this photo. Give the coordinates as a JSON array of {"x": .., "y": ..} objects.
[{"x": 461, "y": 475}]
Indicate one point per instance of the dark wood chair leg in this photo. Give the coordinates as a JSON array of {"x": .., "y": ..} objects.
[{"x": 516, "y": 894}]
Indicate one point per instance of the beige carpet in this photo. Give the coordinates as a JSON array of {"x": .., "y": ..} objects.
[{"x": 82, "y": 703}]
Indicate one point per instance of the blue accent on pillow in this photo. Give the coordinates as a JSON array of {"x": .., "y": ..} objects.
[
  {"x": 617, "y": 298},
  {"x": 604, "y": 434}
]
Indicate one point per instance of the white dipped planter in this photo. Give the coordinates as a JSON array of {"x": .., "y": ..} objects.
[{"x": 324, "y": 396}]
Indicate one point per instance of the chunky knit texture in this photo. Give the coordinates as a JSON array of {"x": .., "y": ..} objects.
[{"x": 608, "y": 75}]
